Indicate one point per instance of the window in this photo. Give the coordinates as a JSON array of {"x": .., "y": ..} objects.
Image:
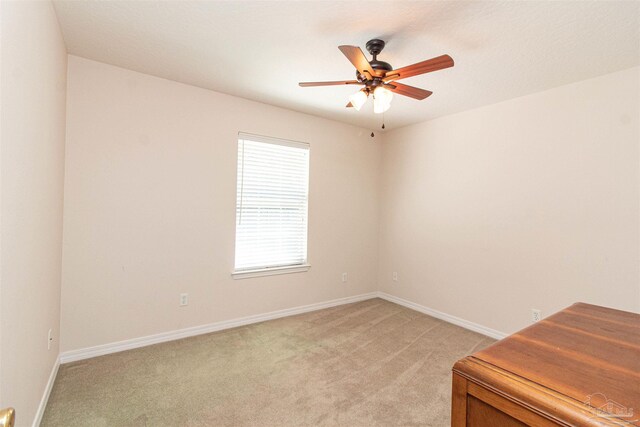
[{"x": 271, "y": 209}]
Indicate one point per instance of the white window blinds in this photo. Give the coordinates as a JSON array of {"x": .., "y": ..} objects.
[{"x": 271, "y": 210}]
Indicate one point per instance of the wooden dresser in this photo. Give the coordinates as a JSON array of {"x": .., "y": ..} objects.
[{"x": 579, "y": 367}]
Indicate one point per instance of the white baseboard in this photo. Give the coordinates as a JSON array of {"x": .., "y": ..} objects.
[
  {"x": 443, "y": 316},
  {"x": 100, "y": 350},
  {"x": 115, "y": 347},
  {"x": 47, "y": 392}
]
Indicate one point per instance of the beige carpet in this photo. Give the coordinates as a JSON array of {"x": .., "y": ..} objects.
[{"x": 371, "y": 363}]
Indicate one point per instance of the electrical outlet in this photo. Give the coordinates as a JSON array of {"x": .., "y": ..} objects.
[
  {"x": 535, "y": 315},
  {"x": 184, "y": 299},
  {"x": 395, "y": 276},
  {"x": 344, "y": 277},
  {"x": 49, "y": 339}
]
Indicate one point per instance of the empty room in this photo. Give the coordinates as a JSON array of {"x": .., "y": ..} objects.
[{"x": 319, "y": 213}]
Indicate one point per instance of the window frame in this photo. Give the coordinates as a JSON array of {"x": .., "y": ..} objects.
[{"x": 279, "y": 269}]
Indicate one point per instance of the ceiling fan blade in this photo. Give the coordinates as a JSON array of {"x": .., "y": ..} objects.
[
  {"x": 349, "y": 105},
  {"x": 357, "y": 58},
  {"x": 410, "y": 91},
  {"x": 343, "y": 82},
  {"x": 433, "y": 64}
]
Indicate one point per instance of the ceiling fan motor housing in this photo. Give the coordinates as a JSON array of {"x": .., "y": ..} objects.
[{"x": 374, "y": 47}]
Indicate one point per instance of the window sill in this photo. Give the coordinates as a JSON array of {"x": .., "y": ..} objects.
[{"x": 246, "y": 274}]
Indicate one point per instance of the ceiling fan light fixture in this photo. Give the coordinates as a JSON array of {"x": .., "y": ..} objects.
[
  {"x": 358, "y": 99},
  {"x": 381, "y": 99}
]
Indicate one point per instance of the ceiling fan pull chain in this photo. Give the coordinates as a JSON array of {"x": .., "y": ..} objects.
[{"x": 383, "y": 120}]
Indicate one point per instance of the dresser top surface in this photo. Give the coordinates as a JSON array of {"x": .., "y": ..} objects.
[{"x": 585, "y": 352}]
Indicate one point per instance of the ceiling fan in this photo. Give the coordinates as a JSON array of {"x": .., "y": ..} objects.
[{"x": 380, "y": 79}]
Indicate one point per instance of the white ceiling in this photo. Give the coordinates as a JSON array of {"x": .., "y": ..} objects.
[{"x": 260, "y": 50}]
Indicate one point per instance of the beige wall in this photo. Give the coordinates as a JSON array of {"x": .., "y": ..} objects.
[
  {"x": 529, "y": 203},
  {"x": 150, "y": 193},
  {"x": 33, "y": 82}
]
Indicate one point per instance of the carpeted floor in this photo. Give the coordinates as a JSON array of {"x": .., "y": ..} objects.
[{"x": 371, "y": 363}]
